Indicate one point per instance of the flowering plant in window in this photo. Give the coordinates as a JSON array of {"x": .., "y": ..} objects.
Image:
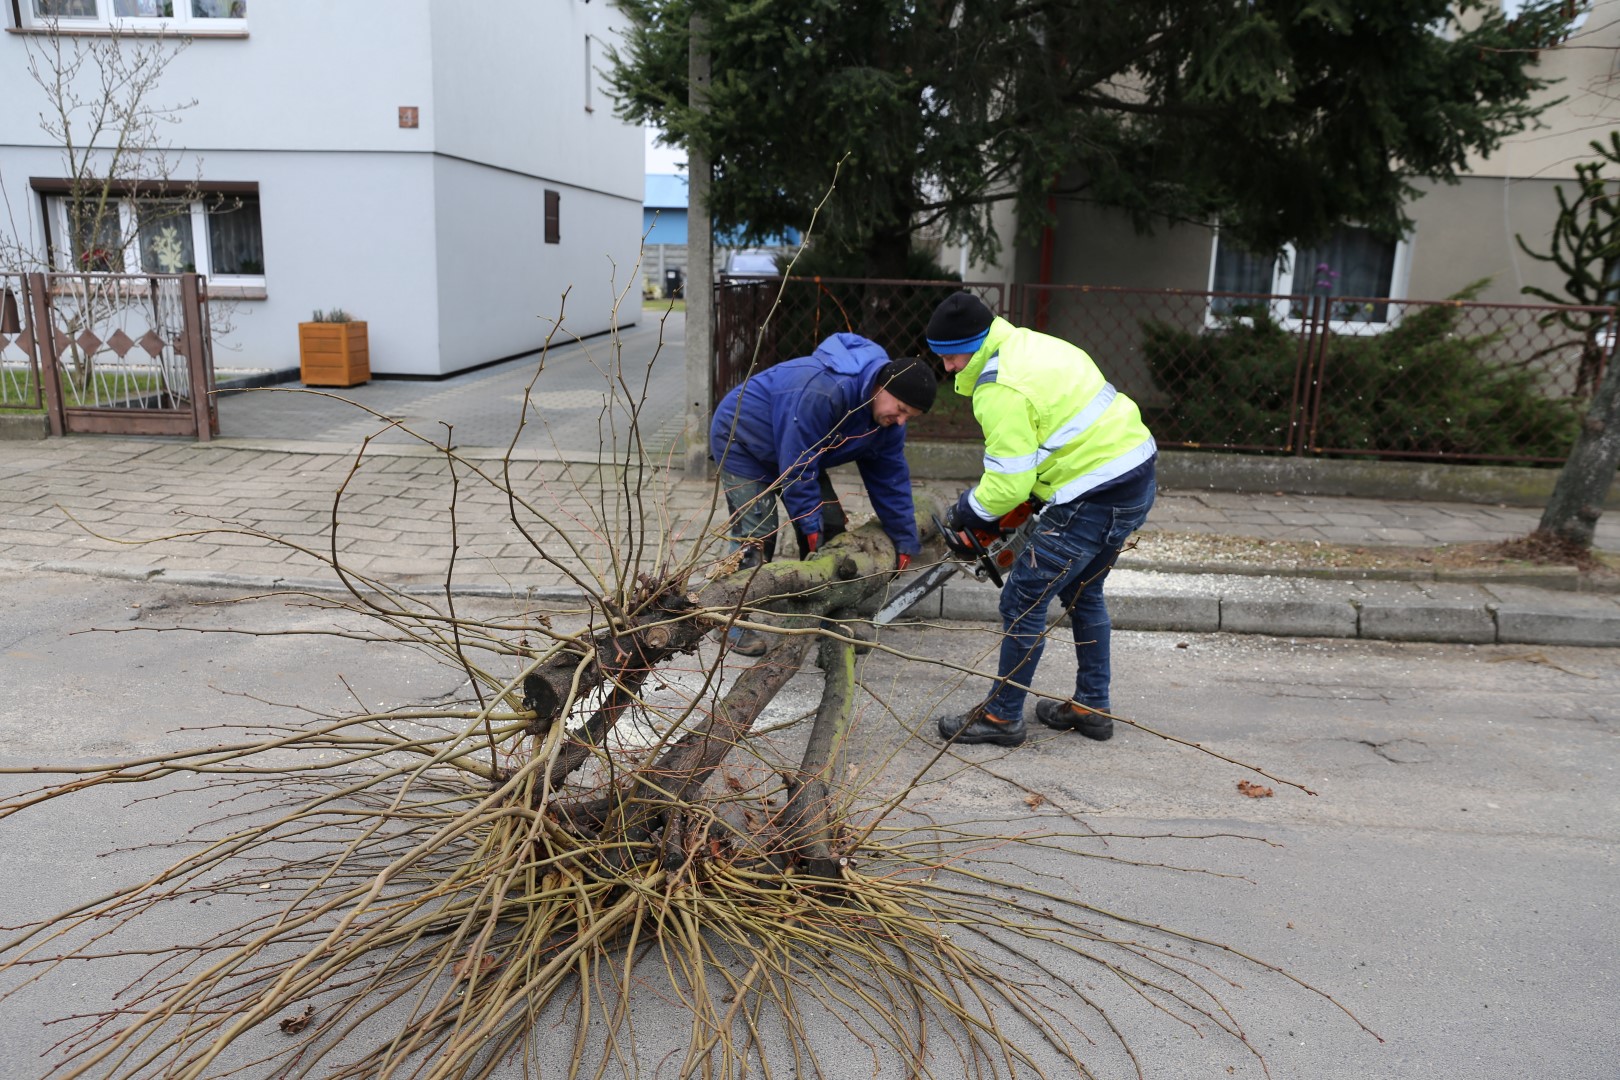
[{"x": 167, "y": 250}]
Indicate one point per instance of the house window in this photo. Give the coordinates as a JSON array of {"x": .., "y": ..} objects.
[
  {"x": 140, "y": 14},
  {"x": 1353, "y": 264},
  {"x": 553, "y": 218},
  {"x": 218, "y": 235}
]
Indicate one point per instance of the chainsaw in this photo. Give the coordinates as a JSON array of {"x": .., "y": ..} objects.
[{"x": 986, "y": 554}]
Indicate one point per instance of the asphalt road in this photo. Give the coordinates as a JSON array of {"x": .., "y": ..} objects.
[{"x": 1452, "y": 882}]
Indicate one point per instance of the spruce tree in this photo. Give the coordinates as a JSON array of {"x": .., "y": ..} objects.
[{"x": 1279, "y": 118}]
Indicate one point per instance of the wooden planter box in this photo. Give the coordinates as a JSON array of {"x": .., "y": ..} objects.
[{"x": 333, "y": 354}]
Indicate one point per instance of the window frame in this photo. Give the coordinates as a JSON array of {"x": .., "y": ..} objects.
[
  {"x": 106, "y": 21},
  {"x": 1281, "y": 289},
  {"x": 57, "y": 197}
]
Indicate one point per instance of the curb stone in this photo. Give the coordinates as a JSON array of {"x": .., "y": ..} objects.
[
  {"x": 1445, "y": 612},
  {"x": 1502, "y": 612}
]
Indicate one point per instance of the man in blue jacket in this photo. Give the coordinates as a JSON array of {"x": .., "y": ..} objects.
[{"x": 778, "y": 433}]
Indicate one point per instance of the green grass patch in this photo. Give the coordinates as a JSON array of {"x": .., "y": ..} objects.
[{"x": 17, "y": 391}]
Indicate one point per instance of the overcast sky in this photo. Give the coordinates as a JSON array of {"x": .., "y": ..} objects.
[{"x": 663, "y": 159}]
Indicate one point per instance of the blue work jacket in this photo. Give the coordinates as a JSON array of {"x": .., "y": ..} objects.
[{"x": 790, "y": 422}]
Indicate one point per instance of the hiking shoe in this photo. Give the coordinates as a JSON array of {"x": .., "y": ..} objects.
[
  {"x": 1067, "y": 716},
  {"x": 978, "y": 726},
  {"x": 746, "y": 642}
]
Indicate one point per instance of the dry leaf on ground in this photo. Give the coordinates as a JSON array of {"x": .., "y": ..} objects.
[{"x": 292, "y": 1025}]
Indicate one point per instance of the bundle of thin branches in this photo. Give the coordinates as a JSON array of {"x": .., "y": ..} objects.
[
  {"x": 444, "y": 924},
  {"x": 443, "y": 903},
  {"x": 490, "y": 884}
]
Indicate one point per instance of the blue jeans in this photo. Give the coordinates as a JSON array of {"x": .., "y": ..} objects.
[
  {"x": 1067, "y": 559},
  {"x": 754, "y": 519}
]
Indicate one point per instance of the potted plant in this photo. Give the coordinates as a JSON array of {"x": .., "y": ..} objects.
[{"x": 332, "y": 350}]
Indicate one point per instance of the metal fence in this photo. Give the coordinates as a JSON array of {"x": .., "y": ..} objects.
[
  {"x": 760, "y": 321},
  {"x": 109, "y": 353},
  {"x": 1306, "y": 374}
]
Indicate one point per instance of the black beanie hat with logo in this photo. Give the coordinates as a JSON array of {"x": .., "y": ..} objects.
[
  {"x": 959, "y": 325},
  {"x": 911, "y": 380}
]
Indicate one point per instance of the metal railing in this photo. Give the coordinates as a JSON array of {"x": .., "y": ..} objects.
[{"x": 1288, "y": 374}]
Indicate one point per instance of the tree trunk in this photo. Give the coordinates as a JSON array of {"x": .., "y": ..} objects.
[
  {"x": 887, "y": 253},
  {"x": 1577, "y": 499},
  {"x": 850, "y": 571}
]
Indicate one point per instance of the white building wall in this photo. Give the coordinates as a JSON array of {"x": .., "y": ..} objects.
[
  {"x": 433, "y": 235},
  {"x": 349, "y": 230},
  {"x": 306, "y": 77},
  {"x": 510, "y": 90},
  {"x": 501, "y": 286}
]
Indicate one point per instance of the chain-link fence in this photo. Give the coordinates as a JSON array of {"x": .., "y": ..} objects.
[
  {"x": 1306, "y": 374},
  {"x": 761, "y": 321}
]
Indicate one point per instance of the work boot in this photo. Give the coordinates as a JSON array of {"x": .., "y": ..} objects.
[
  {"x": 978, "y": 726},
  {"x": 746, "y": 642},
  {"x": 1067, "y": 716}
]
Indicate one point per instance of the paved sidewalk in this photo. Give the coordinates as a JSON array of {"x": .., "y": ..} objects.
[
  {"x": 289, "y": 487},
  {"x": 211, "y": 514}
]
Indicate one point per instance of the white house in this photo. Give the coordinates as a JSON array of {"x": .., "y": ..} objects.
[{"x": 445, "y": 172}]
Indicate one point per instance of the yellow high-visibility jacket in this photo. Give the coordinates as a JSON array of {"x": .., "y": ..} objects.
[{"x": 1053, "y": 426}]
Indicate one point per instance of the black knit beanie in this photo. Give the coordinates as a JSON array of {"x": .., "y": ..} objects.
[
  {"x": 959, "y": 324},
  {"x": 911, "y": 380}
]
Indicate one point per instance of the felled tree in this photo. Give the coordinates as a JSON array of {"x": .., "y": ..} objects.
[
  {"x": 446, "y": 884},
  {"x": 1585, "y": 247}
]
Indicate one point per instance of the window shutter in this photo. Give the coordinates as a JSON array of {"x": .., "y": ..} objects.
[{"x": 553, "y": 226}]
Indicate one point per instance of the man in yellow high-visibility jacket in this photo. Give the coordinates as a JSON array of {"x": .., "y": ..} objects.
[{"x": 1058, "y": 433}]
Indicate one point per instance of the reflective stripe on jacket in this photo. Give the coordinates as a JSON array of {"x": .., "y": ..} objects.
[{"x": 1053, "y": 426}]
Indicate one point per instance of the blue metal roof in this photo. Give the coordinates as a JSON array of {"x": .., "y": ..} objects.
[{"x": 665, "y": 191}]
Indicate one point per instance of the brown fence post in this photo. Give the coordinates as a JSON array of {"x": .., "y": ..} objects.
[
  {"x": 50, "y": 374},
  {"x": 1307, "y": 373},
  {"x": 1321, "y": 309},
  {"x": 197, "y": 367}
]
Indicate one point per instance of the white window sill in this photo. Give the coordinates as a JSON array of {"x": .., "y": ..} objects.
[
  {"x": 237, "y": 292},
  {"x": 133, "y": 286},
  {"x": 125, "y": 31}
]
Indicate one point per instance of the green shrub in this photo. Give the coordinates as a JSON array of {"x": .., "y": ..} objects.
[
  {"x": 1232, "y": 386},
  {"x": 1418, "y": 389}
]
